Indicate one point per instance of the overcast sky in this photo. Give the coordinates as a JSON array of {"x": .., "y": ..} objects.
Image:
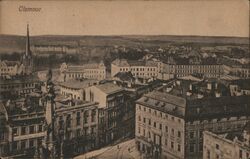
[{"x": 204, "y": 17}]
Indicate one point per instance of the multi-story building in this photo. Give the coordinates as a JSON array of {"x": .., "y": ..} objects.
[
  {"x": 21, "y": 127},
  {"x": 78, "y": 121},
  {"x": 240, "y": 87},
  {"x": 90, "y": 71},
  {"x": 18, "y": 86},
  {"x": 10, "y": 68},
  {"x": 170, "y": 122},
  {"x": 142, "y": 69},
  {"x": 233, "y": 145},
  {"x": 165, "y": 70},
  {"x": 111, "y": 105},
  {"x": 168, "y": 70},
  {"x": 76, "y": 88},
  {"x": 242, "y": 71}
]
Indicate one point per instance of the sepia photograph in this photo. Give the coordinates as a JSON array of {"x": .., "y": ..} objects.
[{"x": 124, "y": 79}]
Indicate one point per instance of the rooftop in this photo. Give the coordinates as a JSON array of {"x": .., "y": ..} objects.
[
  {"x": 79, "y": 84},
  {"x": 109, "y": 88},
  {"x": 197, "y": 109},
  {"x": 127, "y": 63}
]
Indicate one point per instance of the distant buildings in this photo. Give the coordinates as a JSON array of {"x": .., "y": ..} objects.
[
  {"x": 10, "y": 68},
  {"x": 165, "y": 70},
  {"x": 141, "y": 69},
  {"x": 232, "y": 145},
  {"x": 170, "y": 122},
  {"x": 25, "y": 66},
  {"x": 242, "y": 71},
  {"x": 90, "y": 71},
  {"x": 18, "y": 86}
]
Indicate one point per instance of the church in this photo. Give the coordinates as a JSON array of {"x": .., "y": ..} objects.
[{"x": 22, "y": 67}]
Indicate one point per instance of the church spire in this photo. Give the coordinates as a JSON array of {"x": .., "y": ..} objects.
[{"x": 27, "y": 50}]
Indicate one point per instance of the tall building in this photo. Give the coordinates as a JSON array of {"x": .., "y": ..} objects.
[
  {"x": 170, "y": 122},
  {"x": 111, "y": 105},
  {"x": 27, "y": 59},
  {"x": 76, "y": 126}
]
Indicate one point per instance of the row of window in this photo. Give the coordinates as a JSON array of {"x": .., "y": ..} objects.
[
  {"x": 27, "y": 130},
  {"x": 167, "y": 130},
  {"x": 138, "y": 69},
  {"x": 158, "y": 113}
]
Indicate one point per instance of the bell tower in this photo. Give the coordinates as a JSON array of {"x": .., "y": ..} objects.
[{"x": 27, "y": 59}]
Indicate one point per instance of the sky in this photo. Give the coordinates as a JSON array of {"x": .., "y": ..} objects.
[{"x": 189, "y": 17}]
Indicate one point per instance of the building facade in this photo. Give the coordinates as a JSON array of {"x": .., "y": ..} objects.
[
  {"x": 77, "y": 124},
  {"x": 76, "y": 88},
  {"x": 89, "y": 71},
  {"x": 170, "y": 124},
  {"x": 227, "y": 146},
  {"x": 22, "y": 127},
  {"x": 111, "y": 99},
  {"x": 141, "y": 69},
  {"x": 18, "y": 86}
]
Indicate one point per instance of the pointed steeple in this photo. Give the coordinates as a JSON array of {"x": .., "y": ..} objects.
[{"x": 27, "y": 50}]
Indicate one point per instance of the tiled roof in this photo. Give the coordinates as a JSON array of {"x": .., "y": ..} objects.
[
  {"x": 109, "y": 88},
  {"x": 197, "y": 109}
]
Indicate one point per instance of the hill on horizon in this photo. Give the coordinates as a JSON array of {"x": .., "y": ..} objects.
[{"x": 16, "y": 43}]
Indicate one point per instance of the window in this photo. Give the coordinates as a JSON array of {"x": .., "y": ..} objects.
[
  {"x": 166, "y": 129},
  {"x": 78, "y": 117},
  {"x": 14, "y": 145},
  {"x": 191, "y": 135},
  {"x": 32, "y": 128},
  {"x": 144, "y": 120},
  {"x": 160, "y": 126},
  {"x": 23, "y": 144},
  {"x": 40, "y": 128},
  {"x": 201, "y": 133},
  {"x": 149, "y": 121},
  {"x": 191, "y": 148},
  {"x": 217, "y": 146},
  {"x": 14, "y": 131},
  {"x": 139, "y": 118},
  {"x": 240, "y": 153},
  {"x": 23, "y": 130},
  {"x": 155, "y": 124},
  {"x": 93, "y": 114},
  {"x": 172, "y": 145},
  {"x": 68, "y": 120},
  {"x": 31, "y": 143},
  {"x": 172, "y": 131},
  {"x": 78, "y": 132},
  {"x": 179, "y": 148},
  {"x": 139, "y": 130},
  {"x": 179, "y": 134}
]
